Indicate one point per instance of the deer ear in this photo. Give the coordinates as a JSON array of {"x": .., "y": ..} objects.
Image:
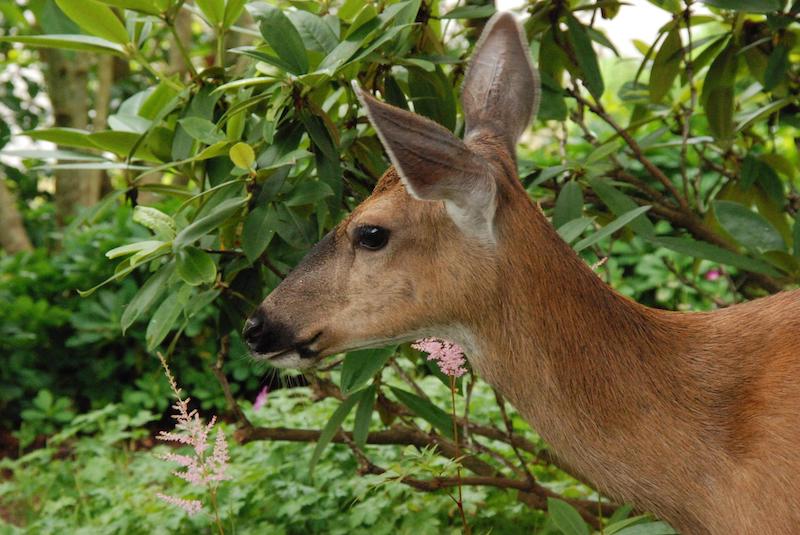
[
  {"x": 435, "y": 165},
  {"x": 501, "y": 88}
]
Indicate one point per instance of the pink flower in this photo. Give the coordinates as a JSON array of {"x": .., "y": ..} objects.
[
  {"x": 448, "y": 355},
  {"x": 200, "y": 469},
  {"x": 261, "y": 399},
  {"x": 190, "y": 506},
  {"x": 713, "y": 274}
]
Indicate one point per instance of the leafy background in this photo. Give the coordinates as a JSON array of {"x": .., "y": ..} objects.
[{"x": 202, "y": 148}]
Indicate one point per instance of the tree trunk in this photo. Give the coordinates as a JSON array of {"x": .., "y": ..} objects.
[
  {"x": 67, "y": 76},
  {"x": 13, "y": 236}
]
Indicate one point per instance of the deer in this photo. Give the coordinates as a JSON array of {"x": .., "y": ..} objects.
[{"x": 693, "y": 416}]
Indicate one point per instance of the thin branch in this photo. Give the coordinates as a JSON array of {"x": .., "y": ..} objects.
[{"x": 217, "y": 368}]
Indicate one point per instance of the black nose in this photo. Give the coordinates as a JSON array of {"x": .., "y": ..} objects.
[
  {"x": 253, "y": 329},
  {"x": 265, "y": 335}
]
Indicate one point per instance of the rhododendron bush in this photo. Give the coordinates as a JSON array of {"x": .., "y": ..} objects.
[{"x": 229, "y": 141}]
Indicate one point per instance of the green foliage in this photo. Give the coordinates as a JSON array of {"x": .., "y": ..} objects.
[{"x": 681, "y": 172}]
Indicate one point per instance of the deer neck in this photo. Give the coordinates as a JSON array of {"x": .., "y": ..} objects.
[{"x": 584, "y": 365}]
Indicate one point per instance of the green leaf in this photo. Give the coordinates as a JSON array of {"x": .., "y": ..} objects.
[
  {"x": 165, "y": 316},
  {"x": 566, "y": 519},
  {"x": 651, "y": 528},
  {"x": 122, "y": 144},
  {"x": 433, "y": 96},
  {"x": 611, "y": 228},
  {"x": 258, "y": 231},
  {"x": 752, "y": 6},
  {"x": 747, "y": 227},
  {"x": 777, "y": 66},
  {"x": 160, "y": 223},
  {"x": 620, "y": 203},
  {"x": 586, "y": 57},
  {"x": 242, "y": 156},
  {"x": 569, "y": 204},
  {"x": 340, "y": 55},
  {"x": 233, "y": 10},
  {"x": 364, "y": 417},
  {"x": 202, "y": 226},
  {"x": 570, "y": 230},
  {"x": 95, "y": 18},
  {"x": 284, "y": 39},
  {"x": 331, "y": 428},
  {"x": 666, "y": 65},
  {"x": 195, "y": 267},
  {"x": 131, "y": 248},
  {"x": 148, "y": 7},
  {"x": 796, "y": 236},
  {"x": 360, "y": 367},
  {"x": 82, "y": 43},
  {"x": 214, "y": 10},
  {"x": 308, "y": 192},
  {"x": 701, "y": 249},
  {"x": 147, "y": 295},
  {"x": 470, "y": 12},
  {"x": 718, "y": 93},
  {"x": 202, "y": 130},
  {"x": 426, "y": 410},
  {"x": 316, "y": 34}
]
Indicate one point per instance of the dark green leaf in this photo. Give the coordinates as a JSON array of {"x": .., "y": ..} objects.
[
  {"x": 566, "y": 518},
  {"x": 199, "y": 228},
  {"x": 259, "y": 228},
  {"x": 284, "y": 39},
  {"x": 308, "y": 192},
  {"x": 700, "y": 249},
  {"x": 796, "y": 236},
  {"x": 147, "y": 295},
  {"x": 569, "y": 204},
  {"x": 666, "y": 65},
  {"x": 650, "y": 528},
  {"x": 331, "y": 428},
  {"x": 364, "y": 417},
  {"x": 426, "y": 410},
  {"x": 202, "y": 130},
  {"x": 361, "y": 366},
  {"x": 747, "y": 227},
  {"x": 316, "y": 34},
  {"x": 752, "y": 6},
  {"x": 777, "y": 66},
  {"x": 432, "y": 95},
  {"x": 611, "y": 228},
  {"x": 619, "y": 203},
  {"x": 586, "y": 57},
  {"x": 470, "y": 12},
  {"x": 165, "y": 317}
]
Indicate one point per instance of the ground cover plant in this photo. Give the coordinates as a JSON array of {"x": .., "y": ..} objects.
[{"x": 203, "y": 147}]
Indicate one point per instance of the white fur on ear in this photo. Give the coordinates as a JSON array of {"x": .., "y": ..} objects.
[{"x": 435, "y": 165}]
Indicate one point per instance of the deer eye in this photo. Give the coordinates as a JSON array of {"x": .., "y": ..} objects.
[{"x": 371, "y": 237}]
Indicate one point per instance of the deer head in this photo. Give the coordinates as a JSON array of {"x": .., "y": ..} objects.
[{"x": 420, "y": 256}]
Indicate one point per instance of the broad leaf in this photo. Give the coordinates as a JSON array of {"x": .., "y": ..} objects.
[
  {"x": 95, "y": 18},
  {"x": 426, "y": 410},
  {"x": 211, "y": 221},
  {"x": 284, "y": 39},
  {"x": 195, "y": 266},
  {"x": 331, "y": 428},
  {"x": 566, "y": 518},
  {"x": 611, "y": 228},
  {"x": 569, "y": 204},
  {"x": 147, "y": 296},
  {"x": 82, "y": 43},
  {"x": 361, "y": 366},
  {"x": 586, "y": 57},
  {"x": 747, "y": 227},
  {"x": 364, "y": 417}
]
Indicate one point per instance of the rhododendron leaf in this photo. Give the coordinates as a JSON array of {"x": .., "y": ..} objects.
[
  {"x": 426, "y": 410},
  {"x": 331, "y": 428},
  {"x": 361, "y": 366},
  {"x": 566, "y": 518},
  {"x": 364, "y": 416}
]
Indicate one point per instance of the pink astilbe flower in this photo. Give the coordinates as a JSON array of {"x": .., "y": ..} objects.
[
  {"x": 190, "y": 506},
  {"x": 448, "y": 355},
  {"x": 261, "y": 399},
  {"x": 200, "y": 469}
]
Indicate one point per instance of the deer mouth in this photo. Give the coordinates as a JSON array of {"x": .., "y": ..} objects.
[{"x": 302, "y": 352}]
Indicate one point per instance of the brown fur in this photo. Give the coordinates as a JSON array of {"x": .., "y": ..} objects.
[{"x": 694, "y": 416}]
